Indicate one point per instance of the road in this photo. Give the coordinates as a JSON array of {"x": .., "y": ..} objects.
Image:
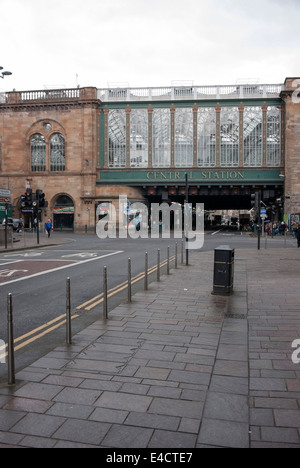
[{"x": 36, "y": 279}]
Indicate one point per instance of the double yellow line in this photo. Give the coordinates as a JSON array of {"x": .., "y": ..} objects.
[
  {"x": 48, "y": 327},
  {"x": 43, "y": 329},
  {"x": 89, "y": 305}
]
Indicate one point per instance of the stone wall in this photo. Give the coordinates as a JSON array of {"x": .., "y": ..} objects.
[
  {"x": 77, "y": 120},
  {"x": 291, "y": 97}
]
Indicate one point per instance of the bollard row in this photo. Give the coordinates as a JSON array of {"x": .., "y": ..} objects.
[
  {"x": 10, "y": 334},
  {"x": 145, "y": 274}
]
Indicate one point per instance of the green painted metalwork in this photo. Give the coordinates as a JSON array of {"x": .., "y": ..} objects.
[{"x": 196, "y": 176}]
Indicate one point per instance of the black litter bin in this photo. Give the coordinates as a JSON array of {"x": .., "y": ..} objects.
[{"x": 223, "y": 270}]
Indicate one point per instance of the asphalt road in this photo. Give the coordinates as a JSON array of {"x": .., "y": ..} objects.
[{"x": 36, "y": 279}]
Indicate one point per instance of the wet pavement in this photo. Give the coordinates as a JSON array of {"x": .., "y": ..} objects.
[{"x": 177, "y": 368}]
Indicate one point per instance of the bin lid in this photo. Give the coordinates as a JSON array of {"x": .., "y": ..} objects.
[{"x": 224, "y": 247}]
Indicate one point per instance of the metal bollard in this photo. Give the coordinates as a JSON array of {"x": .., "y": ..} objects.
[
  {"x": 129, "y": 280},
  {"x": 176, "y": 256},
  {"x": 182, "y": 248},
  {"x": 105, "y": 314},
  {"x": 158, "y": 264},
  {"x": 168, "y": 261},
  {"x": 146, "y": 272},
  {"x": 10, "y": 342},
  {"x": 68, "y": 312}
]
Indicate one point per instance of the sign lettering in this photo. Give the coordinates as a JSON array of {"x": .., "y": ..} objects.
[{"x": 203, "y": 175}]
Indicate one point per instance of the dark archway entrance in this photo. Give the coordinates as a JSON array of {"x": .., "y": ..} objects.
[{"x": 63, "y": 213}]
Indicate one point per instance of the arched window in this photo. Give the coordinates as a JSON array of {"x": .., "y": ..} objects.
[
  {"x": 57, "y": 153},
  {"x": 38, "y": 153}
]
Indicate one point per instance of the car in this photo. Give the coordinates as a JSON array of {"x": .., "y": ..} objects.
[{"x": 15, "y": 223}]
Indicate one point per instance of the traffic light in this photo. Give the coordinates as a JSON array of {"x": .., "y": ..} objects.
[
  {"x": 40, "y": 198},
  {"x": 256, "y": 201},
  {"x": 26, "y": 199}
]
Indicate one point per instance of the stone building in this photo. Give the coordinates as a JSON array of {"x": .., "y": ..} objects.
[{"x": 86, "y": 146}]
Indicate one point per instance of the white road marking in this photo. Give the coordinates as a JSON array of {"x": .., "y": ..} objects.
[
  {"x": 216, "y": 232},
  {"x": 60, "y": 268}
]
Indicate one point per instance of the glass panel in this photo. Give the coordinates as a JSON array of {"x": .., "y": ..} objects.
[
  {"x": 206, "y": 137},
  {"x": 139, "y": 138},
  {"x": 184, "y": 137},
  {"x": 161, "y": 137},
  {"x": 229, "y": 136},
  {"x": 252, "y": 136},
  {"x": 117, "y": 138},
  {"x": 273, "y": 136},
  {"x": 38, "y": 153},
  {"x": 57, "y": 153}
]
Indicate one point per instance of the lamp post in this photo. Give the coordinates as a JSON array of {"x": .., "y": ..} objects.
[{"x": 4, "y": 73}]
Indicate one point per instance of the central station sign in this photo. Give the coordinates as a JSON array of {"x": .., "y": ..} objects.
[
  {"x": 194, "y": 175},
  {"x": 205, "y": 176}
]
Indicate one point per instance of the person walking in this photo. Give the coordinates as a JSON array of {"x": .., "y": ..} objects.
[{"x": 48, "y": 227}]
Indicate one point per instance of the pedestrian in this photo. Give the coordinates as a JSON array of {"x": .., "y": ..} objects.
[
  {"x": 282, "y": 229},
  {"x": 297, "y": 234},
  {"x": 48, "y": 227}
]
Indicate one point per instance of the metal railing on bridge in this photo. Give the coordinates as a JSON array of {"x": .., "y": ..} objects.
[{"x": 178, "y": 93}]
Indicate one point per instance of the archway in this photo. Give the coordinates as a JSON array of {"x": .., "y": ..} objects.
[{"x": 63, "y": 213}]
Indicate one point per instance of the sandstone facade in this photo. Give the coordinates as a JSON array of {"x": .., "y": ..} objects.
[
  {"x": 291, "y": 97},
  {"x": 75, "y": 114},
  {"x": 77, "y": 119}
]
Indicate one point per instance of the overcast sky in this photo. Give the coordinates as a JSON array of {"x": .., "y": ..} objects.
[{"x": 53, "y": 43}]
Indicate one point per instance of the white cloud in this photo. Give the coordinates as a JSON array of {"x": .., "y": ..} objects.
[{"x": 147, "y": 42}]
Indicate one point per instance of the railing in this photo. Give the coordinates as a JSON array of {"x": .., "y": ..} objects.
[
  {"x": 176, "y": 93},
  {"x": 173, "y": 93},
  {"x": 50, "y": 94}
]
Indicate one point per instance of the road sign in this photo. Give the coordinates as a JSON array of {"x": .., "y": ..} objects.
[
  {"x": 5, "y": 195},
  {"x": 263, "y": 211}
]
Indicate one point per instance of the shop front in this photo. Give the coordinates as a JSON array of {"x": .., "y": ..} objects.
[{"x": 63, "y": 213}]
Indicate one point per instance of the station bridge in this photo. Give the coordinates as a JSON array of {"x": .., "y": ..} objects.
[{"x": 229, "y": 140}]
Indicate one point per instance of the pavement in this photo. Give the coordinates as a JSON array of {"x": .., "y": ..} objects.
[
  {"x": 177, "y": 368},
  {"x": 28, "y": 240}
]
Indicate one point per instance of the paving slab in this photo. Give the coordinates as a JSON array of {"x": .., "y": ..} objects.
[{"x": 177, "y": 368}]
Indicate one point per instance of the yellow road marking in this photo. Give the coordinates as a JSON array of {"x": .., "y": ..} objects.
[
  {"x": 36, "y": 337},
  {"x": 89, "y": 305},
  {"x": 49, "y": 326}
]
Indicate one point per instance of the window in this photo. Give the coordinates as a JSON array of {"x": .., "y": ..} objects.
[
  {"x": 184, "y": 137},
  {"x": 117, "y": 138},
  {"x": 161, "y": 137},
  {"x": 229, "y": 137},
  {"x": 139, "y": 138},
  {"x": 206, "y": 137},
  {"x": 273, "y": 137},
  {"x": 253, "y": 134},
  {"x": 47, "y": 154},
  {"x": 38, "y": 153},
  {"x": 57, "y": 153}
]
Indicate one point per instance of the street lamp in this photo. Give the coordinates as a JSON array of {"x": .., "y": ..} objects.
[{"x": 4, "y": 73}]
